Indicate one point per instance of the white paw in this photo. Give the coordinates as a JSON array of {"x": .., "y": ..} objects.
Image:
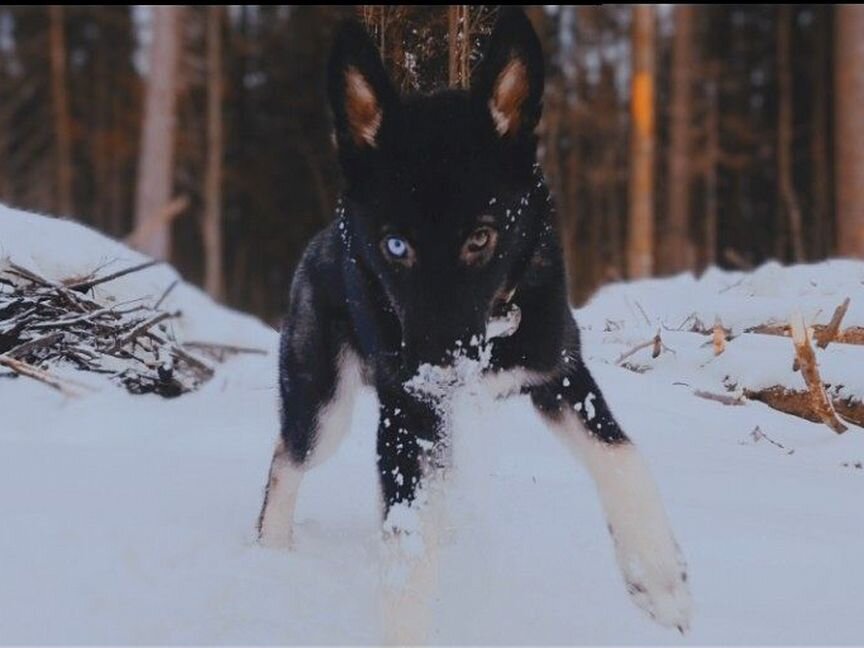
[
  {"x": 657, "y": 583},
  {"x": 276, "y": 537}
]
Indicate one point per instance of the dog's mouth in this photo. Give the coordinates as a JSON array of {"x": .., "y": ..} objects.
[{"x": 504, "y": 315}]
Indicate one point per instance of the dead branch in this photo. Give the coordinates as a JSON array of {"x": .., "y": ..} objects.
[
  {"x": 220, "y": 350},
  {"x": 24, "y": 273},
  {"x": 725, "y": 399},
  {"x": 634, "y": 350},
  {"x": 819, "y": 400},
  {"x": 167, "y": 292},
  {"x": 24, "y": 369},
  {"x": 27, "y": 347},
  {"x": 44, "y": 323},
  {"x": 825, "y": 336},
  {"x": 757, "y": 435},
  {"x": 84, "y": 286},
  {"x": 719, "y": 337},
  {"x": 656, "y": 344},
  {"x": 139, "y": 330}
]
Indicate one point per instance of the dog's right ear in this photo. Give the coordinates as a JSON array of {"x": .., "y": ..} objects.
[{"x": 361, "y": 95}]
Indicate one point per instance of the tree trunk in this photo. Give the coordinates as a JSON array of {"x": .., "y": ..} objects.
[
  {"x": 640, "y": 233},
  {"x": 156, "y": 161},
  {"x": 819, "y": 139},
  {"x": 785, "y": 180},
  {"x": 458, "y": 45},
  {"x": 712, "y": 155},
  {"x": 849, "y": 128},
  {"x": 465, "y": 54},
  {"x": 453, "y": 45},
  {"x": 212, "y": 224},
  {"x": 60, "y": 101},
  {"x": 678, "y": 252}
]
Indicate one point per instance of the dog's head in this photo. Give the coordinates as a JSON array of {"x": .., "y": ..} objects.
[{"x": 440, "y": 189}]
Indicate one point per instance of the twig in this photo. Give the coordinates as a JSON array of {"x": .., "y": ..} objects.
[
  {"x": 829, "y": 333},
  {"x": 84, "y": 286},
  {"x": 810, "y": 371},
  {"x": 657, "y": 347},
  {"x": 27, "y": 347},
  {"x": 757, "y": 435},
  {"x": 636, "y": 349},
  {"x": 719, "y": 338},
  {"x": 230, "y": 348},
  {"x": 734, "y": 284},
  {"x": 139, "y": 330},
  {"x": 167, "y": 292},
  {"x": 23, "y": 272},
  {"x": 642, "y": 310},
  {"x": 720, "y": 398},
  {"x": 725, "y": 399},
  {"x": 26, "y": 369}
]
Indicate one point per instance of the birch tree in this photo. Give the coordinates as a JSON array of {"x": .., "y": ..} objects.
[{"x": 156, "y": 160}]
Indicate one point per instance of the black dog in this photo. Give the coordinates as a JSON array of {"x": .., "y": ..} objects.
[{"x": 444, "y": 251}]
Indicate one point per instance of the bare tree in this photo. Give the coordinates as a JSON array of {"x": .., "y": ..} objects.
[
  {"x": 849, "y": 128},
  {"x": 677, "y": 247},
  {"x": 640, "y": 234},
  {"x": 712, "y": 161},
  {"x": 212, "y": 223},
  {"x": 60, "y": 106},
  {"x": 821, "y": 241},
  {"x": 786, "y": 185},
  {"x": 156, "y": 161}
]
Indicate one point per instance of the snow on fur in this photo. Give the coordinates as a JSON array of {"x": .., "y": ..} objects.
[{"x": 130, "y": 519}]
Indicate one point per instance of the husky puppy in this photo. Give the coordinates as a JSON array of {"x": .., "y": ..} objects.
[{"x": 444, "y": 250}]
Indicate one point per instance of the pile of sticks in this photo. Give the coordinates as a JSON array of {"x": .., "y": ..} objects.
[
  {"x": 821, "y": 401},
  {"x": 48, "y": 325}
]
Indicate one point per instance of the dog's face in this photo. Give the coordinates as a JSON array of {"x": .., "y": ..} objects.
[{"x": 437, "y": 187}]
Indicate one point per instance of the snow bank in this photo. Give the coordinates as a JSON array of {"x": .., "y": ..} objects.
[{"x": 59, "y": 249}]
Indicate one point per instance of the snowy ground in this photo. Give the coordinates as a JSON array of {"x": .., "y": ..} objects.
[{"x": 129, "y": 519}]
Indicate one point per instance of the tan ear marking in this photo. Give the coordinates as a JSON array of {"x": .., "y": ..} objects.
[
  {"x": 361, "y": 108},
  {"x": 508, "y": 97}
]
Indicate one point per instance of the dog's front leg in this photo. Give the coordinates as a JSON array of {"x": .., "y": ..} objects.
[
  {"x": 411, "y": 458},
  {"x": 647, "y": 553}
]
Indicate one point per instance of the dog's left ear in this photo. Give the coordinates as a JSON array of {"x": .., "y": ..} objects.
[{"x": 509, "y": 81}]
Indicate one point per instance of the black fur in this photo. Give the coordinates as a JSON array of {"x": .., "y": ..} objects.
[{"x": 436, "y": 169}]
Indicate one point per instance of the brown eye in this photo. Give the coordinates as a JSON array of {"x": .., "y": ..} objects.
[
  {"x": 479, "y": 239},
  {"x": 479, "y": 245}
]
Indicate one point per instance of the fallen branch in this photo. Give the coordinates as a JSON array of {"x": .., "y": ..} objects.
[
  {"x": 725, "y": 399},
  {"x": 25, "y": 369},
  {"x": 27, "y": 347},
  {"x": 819, "y": 400},
  {"x": 719, "y": 337},
  {"x": 139, "y": 330},
  {"x": 219, "y": 351},
  {"x": 828, "y": 334},
  {"x": 44, "y": 323},
  {"x": 167, "y": 292},
  {"x": 84, "y": 286},
  {"x": 757, "y": 435}
]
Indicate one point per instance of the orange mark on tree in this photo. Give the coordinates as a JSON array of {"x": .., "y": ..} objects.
[{"x": 643, "y": 103}]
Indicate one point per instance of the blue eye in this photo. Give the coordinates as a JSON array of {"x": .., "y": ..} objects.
[{"x": 396, "y": 247}]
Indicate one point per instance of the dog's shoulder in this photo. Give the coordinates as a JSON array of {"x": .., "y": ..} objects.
[{"x": 318, "y": 281}]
